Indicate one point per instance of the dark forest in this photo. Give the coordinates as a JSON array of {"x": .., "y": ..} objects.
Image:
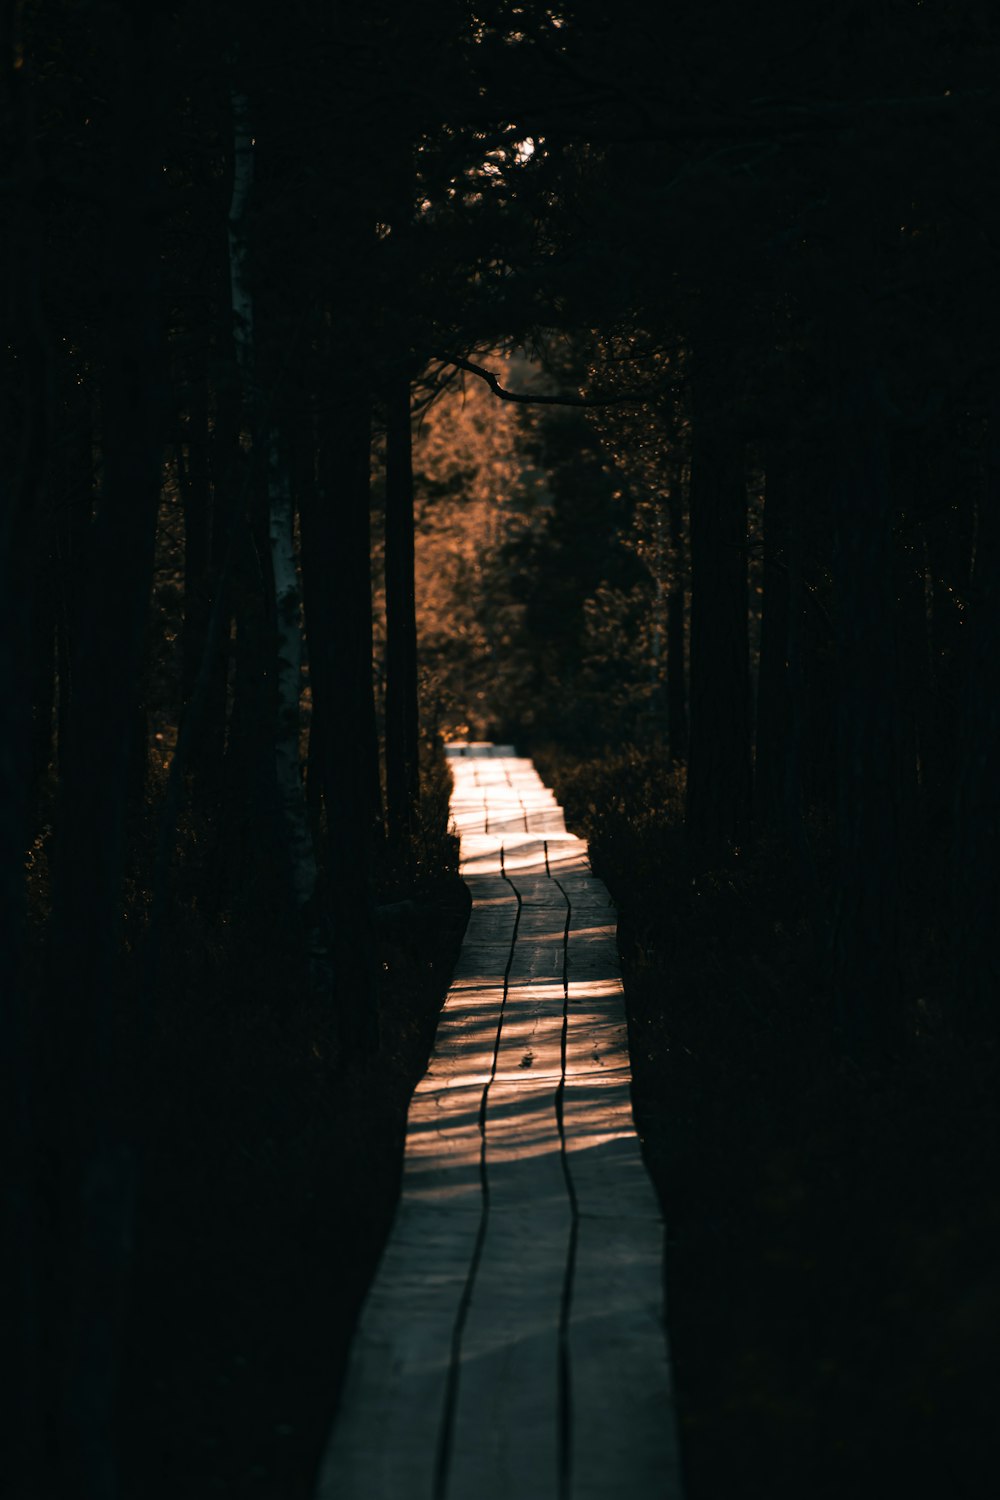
[{"x": 618, "y": 382}]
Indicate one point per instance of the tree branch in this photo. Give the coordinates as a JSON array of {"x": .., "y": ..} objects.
[{"x": 523, "y": 400}]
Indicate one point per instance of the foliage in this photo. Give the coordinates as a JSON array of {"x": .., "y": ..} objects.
[
  {"x": 832, "y": 1233},
  {"x": 534, "y": 595}
]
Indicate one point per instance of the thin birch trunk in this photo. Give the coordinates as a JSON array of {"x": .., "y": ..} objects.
[
  {"x": 288, "y": 608},
  {"x": 281, "y": 530}
]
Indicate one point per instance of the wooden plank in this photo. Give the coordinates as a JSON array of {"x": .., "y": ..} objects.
[
  {"x": 394, "y": 1393},
  {"x": 622, "y": 1414},
  {"x": 441, "y": 1166},
  {"x": 488, "y": 1273},
  {"x": 506, "y": 1432},
  {"x": 622, "y": 1399},
  {"x": 506, "y": 1420}
]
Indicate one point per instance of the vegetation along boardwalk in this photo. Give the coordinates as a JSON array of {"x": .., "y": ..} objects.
[{"x": 513, "y": 1344}]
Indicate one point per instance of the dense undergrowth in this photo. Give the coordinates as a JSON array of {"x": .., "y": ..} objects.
[
  {"x": 833, "y": 1233},
  {"x": 269, "y": 1187},
  {"x": 269, "y": 1162}
]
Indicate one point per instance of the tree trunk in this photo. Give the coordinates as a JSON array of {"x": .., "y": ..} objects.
[
  {"x": 949, "y": 500},
  {"x": 401, "y": 707},
  {"x": 773, "y": 736},
  {"x": 791, "y": 790},
  {"x": 336, "y": 562},
  {"x": 912, "y": 642},
  {"x": 227, "y": 469},
  {"x": 866, "y": 905},
  {"x": 72, "y": 530},
  {"x": 253, "y": 833},
  {"x": 43, "y": 693},
  {"x": 677, "y": 717},
  {"x": 99, "y": 1164},
  {"x": 976, "y": 878},
  {"x": 24, "y": 366},
  {"x": 239, "y": 251},
  {"x": 196, "y": 499},
  {"x": 17, "y": 1147},
  {"x": 288, "y": 760},
  {"x": 913, "y": 687},
  {"x": 718, "y": 794}
]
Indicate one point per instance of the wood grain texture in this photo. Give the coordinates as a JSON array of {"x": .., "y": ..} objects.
[{"x": 512, "y": 1345}]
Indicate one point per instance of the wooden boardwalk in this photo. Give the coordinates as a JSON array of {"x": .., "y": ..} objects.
[{"x": 512, "y": 1345}]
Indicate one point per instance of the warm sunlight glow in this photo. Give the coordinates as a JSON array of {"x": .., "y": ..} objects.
[{"x": 525, "y": 1021}]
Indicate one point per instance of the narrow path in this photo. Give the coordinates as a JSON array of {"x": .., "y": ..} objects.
[{"x": 512, "y": 1346}]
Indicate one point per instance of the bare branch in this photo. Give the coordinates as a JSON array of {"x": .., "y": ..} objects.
[{"x": 524, "y": 400}]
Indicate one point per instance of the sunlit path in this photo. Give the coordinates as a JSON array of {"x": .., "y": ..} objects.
[{"x": 512, "y": 1346}]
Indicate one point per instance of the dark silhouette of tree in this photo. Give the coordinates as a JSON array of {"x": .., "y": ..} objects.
[{"x": 402, "y": 768}]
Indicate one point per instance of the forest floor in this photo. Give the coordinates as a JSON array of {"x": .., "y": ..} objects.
[
  {"x": 833, "y": 1234},
  {"x": 270, "y": 1183},
  {"x": 269, "y": 1158}
]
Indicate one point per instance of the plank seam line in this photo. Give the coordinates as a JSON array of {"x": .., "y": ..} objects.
[
  {"x": 566, "y": 1300},
  {"x": 446, "y": 1432}
]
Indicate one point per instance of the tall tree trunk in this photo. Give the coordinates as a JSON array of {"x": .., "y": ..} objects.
[
  {"x": 72, "y": 531},
  {"x": 24, "y": 389},
  {"x": 773, "y": 737},
  {"x": 239, "y": 249},
  {"x": 336, "y": 561},
  {"x": 913, "y": 686},
  {"x": 99, "y": 1164},
  {"x": 227, "y": 470},
  {"x": 401, "y": 706},
  {"x": 196, "y": 499},
  {"x": 949, "y": 500},
  {"x": 306, "y": 485},
  {"x": 301, "y": 855},
  {"x": 912, "y": 645},
  {"x": 719, "y": 774},
  {"x": 43, "y": 691},
  {"x": 252, "y": 835},
  {"x": 976, "y": 877},
  {"x": 792, "y": 785},
  {"x": 253, "y": 832},
  {"x": 677, "y": 716},
  {"x": 866, "y": 905}
]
